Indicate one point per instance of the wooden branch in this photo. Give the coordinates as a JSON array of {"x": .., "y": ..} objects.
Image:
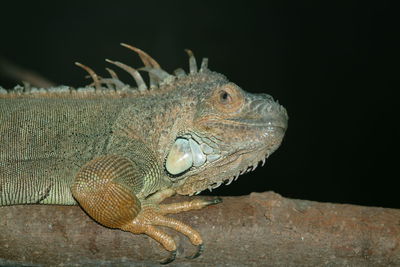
[{"x": 261, "y": 229}]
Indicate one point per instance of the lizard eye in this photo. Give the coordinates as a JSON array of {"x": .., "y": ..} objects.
[
  {"x": 228, "y": 98},
  {"x": 225, "y": 97}
]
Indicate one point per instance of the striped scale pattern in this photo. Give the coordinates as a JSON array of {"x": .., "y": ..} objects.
[{"x": 106, "y": 189}]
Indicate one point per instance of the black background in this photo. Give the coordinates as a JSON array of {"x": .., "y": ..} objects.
[{"x": 334, "y": 66}]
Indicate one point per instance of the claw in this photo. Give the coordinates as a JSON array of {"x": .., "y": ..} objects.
[
  {"x": 214, "y": 201},
  {"x": 170, "y": 258},
  {"x": 200, "y": 249}
]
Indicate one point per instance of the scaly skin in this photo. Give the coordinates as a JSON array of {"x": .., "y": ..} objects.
[{"x": 118, "y": 151}]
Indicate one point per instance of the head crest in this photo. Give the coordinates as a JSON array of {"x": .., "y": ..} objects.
[{"x": 157, "y": 75}]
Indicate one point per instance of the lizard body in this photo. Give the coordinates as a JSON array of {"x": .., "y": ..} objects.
[{"x": 118, "y": 151}]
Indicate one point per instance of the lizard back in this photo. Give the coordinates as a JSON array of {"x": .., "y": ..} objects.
[{"x": 44, "y": 142}]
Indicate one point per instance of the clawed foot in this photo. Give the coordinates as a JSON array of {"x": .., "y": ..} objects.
[{"x": 152, "y": 215}]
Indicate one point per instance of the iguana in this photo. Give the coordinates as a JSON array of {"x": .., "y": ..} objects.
[{"x": 119, "y": 151}]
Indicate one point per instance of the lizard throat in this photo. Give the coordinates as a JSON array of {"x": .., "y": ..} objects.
[{"x": 233, "y": 166}]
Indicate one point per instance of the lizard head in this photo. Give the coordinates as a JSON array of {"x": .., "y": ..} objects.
[
  {"x": 209, "y": 131},
  {"x": 226, "y": 133}
]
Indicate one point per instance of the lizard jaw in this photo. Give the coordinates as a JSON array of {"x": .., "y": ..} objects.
[
  {"x": 211, "y": 181},
  {"x": 248, "y": 161},
  {"x": 251, "y": 167}
]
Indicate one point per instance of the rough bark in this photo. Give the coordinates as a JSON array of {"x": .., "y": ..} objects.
[{"x": 261, "y": 229}]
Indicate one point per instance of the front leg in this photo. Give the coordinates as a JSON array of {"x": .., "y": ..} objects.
[{"x": 107, "y": 188}]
